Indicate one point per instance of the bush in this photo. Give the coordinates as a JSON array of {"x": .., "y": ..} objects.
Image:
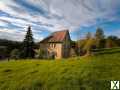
[
  {"x": 40, "y": 54},
  {"x": 15, "y": 54}
]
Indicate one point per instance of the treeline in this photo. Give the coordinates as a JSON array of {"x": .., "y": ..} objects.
[
  {"x": 6, "y": 47},
  {"x": 13, "y": 49},
  {"x": 96, "y": 41}
]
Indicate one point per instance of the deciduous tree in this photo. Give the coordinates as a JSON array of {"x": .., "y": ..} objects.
[{"x": 99, "y": 38}]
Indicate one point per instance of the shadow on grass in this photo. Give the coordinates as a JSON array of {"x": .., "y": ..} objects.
[{"x": 7, "y": 70}]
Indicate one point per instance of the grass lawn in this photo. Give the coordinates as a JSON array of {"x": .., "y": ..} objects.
[{"x": 85, "y": 73}]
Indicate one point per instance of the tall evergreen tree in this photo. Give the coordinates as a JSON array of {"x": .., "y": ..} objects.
[{"x": 28, "y": 45}]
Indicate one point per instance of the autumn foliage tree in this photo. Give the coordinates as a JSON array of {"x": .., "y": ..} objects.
[
  {"x": 89, "y": 44},
  {"x": 112, "y": 41}
]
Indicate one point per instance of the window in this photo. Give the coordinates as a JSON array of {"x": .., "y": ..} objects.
[
  {"x": 54, "y": 45},
  {"x": 51, "y": 45}
]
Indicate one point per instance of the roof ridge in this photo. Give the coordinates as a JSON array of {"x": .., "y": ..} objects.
[{"x": 61, "y": 31}]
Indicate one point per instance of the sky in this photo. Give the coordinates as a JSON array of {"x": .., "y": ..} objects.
[{"x": 47, "y": 16}]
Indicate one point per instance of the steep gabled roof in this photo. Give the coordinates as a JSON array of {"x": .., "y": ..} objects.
[{"x": 58, "y": 36}]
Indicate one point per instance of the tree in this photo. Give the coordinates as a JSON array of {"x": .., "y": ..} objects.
[
  {"x": 78, "y": 36},
  {"x": 99, "y": 37},
  {"x": 15, "y": 54},
  {"x": 88, "y": 36},
  {"x": 3, "y": 51},
  {"x": 28, "y": 45},
  {"x": 7, "y": 46},
  {"x": 81, "y": 46},
  {"x": 112, "y": 41},
  {"x": 40, "y": 53},
  {"x": 89, "y": 44}
]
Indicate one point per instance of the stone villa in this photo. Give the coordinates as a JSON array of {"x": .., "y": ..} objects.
[{"x": 57, "y": 45}]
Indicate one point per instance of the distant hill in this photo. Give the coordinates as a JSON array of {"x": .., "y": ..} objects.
[
  {"x": 5, "y": 42},
  {"x": 6, "y": 46}
]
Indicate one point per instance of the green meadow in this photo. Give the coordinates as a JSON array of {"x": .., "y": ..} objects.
[{"x": 79, "y": 73}]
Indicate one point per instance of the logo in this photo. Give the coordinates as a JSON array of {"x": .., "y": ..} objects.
[{"x": 114, "y": 85}]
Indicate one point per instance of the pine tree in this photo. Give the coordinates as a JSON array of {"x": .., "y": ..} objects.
[{"x": 28, "y": 45}]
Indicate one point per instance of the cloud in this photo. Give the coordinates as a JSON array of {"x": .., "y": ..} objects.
[
  {"x": 53, "y": 15},
  {"x": 12, "y": 34}
]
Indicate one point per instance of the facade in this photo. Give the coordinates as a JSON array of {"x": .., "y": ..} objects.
[{"x": 57, "y": 45}]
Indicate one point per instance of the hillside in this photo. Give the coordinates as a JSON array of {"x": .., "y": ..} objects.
[{"x": 84, "y": 73}]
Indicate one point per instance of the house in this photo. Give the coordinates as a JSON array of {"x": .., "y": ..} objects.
[{"x": 57, "y": 45}]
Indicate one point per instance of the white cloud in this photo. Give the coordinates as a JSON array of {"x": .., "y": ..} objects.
[
  {"x": 12, "y": 34},
  {"x": 71, "y": 14}
]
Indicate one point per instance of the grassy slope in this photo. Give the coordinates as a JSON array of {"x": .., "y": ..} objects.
[{"x": 91, "y": 73}]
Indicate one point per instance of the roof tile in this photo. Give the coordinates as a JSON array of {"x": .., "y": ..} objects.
[{"x": 58, "y": 36}]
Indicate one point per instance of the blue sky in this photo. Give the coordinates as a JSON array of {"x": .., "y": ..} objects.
[{"x": 47, "y": 16}]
